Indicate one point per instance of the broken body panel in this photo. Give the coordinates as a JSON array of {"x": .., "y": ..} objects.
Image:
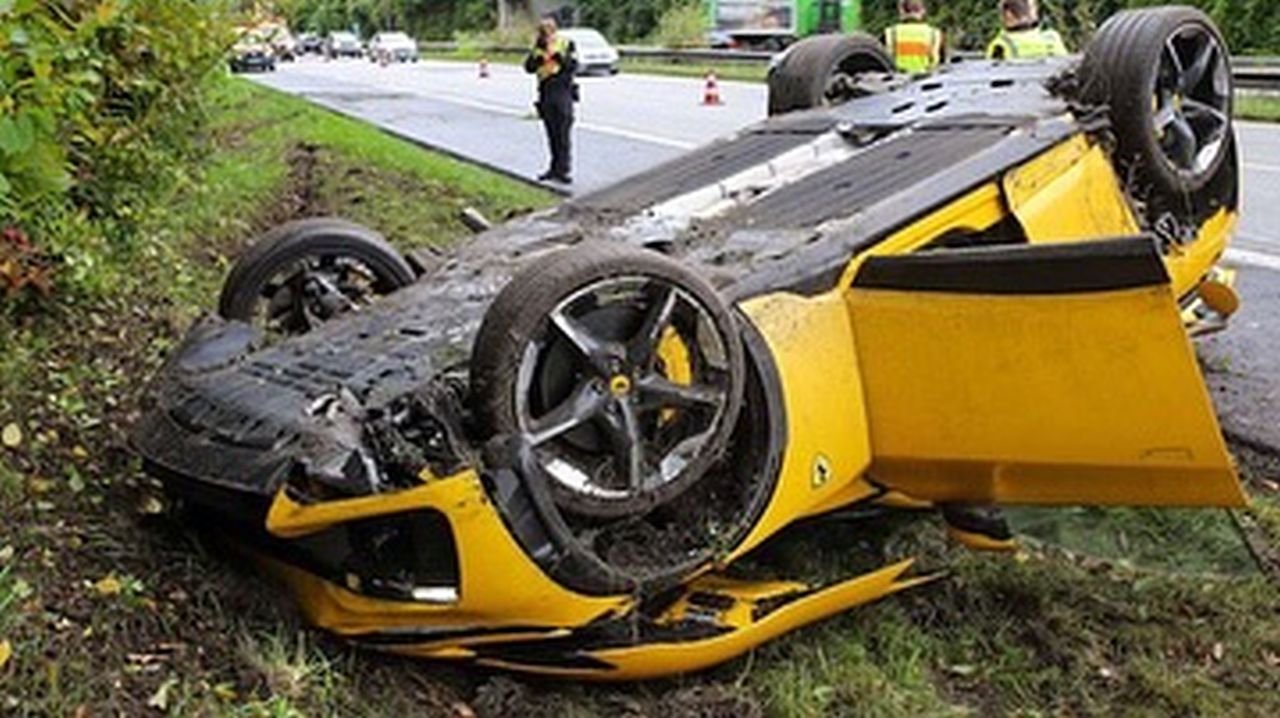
[{"x": 932, "y": 311}]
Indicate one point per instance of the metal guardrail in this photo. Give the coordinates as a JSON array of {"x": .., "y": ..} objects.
[{"x": 1251, "y": 72}]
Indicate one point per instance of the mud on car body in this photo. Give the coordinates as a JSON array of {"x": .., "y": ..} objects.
[{"x": 551, "y": 447}]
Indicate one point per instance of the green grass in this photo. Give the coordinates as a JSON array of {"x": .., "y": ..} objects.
[
  {"x": 741, "y": 71},
  {"x": 109, "y": 608},
  {"x": 1259, "y": 107}
]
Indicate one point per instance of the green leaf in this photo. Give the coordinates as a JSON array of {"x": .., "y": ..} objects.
[{"x": 8, "y": 136}]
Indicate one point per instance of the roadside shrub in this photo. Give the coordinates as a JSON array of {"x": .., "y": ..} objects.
[
  {"x": 1251, "y": 26},
  {"x": 682, "y": 26},
  {"x": 519, "y": 33},
  {"x": 100, "y": 102}
]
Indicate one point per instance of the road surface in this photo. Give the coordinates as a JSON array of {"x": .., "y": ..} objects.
[{"x": 628, "y": 123}]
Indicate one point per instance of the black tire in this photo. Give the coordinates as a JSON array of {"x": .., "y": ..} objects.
[
  {"x": 803, "y": 78},
  {"x": 295, "y": 242},
  {"x": 1130, "y": 67},
  {"x": 518, "y": 334}
]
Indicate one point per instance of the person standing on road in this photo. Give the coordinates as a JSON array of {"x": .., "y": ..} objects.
[
  {"x": 916, "y": 46},
  {"x": 1023, "y": 38},
  {"x": 554, "y": 61}
]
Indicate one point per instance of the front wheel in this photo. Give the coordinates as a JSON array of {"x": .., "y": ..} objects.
[{"x": 619, "y": 368}]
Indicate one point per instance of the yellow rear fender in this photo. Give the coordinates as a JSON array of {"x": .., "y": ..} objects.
[{"x": 1035, "y": 374}]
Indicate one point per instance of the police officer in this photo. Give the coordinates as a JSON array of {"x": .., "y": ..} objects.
[
  {"x": 553, "y": 59},
  {"x": 1023, "y": 38},
  {"x": 915, "y": 44}
]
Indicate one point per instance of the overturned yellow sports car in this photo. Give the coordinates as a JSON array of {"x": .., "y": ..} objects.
[{"x": 554, "y": 447}]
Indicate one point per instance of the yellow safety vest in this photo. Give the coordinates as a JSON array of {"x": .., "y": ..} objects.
[
  {"x": 1030, "y": 44},
  {"x": 549, "y": 67},
  {"x": 916, "y": 46}
]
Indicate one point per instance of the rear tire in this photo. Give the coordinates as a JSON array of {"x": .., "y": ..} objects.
[
  {"x": 814, "y": 71},
  {"x": 290, "y": 246},
  {"x": 1165, "y": 74}
]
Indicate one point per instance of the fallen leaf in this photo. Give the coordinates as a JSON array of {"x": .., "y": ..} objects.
[
  {"x": 11, "y": 436},
  {"x": 1218, "y": 651},
  {"x": 963, "y": 670},
  {"x": 80, "y": 452},
  {"x": 6, "y": 651},
  {"x": 108, "y": 586},
  {"x": 151, "y": 506},
  {"x": 40, "y": 486},
  {"x": 160, "y": 699},
  {"x": 225, "y": 692}
]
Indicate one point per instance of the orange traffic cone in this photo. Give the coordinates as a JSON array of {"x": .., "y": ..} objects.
[
  {"x": 484, "y": 67},
  {"x": 711, "y": 93}
]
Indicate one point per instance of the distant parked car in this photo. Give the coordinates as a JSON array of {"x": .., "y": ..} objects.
[
  {"x": 310, "y": 43},
  {"x": 342, "y": 44},
  {"x": 251, "y": 53},
  {"x": 284, "y": 46},
  {"x": 595, "y": 54},
  {"x": 393, "y": 46}
]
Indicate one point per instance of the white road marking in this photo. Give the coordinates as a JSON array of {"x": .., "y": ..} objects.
[
  {"x": 1251, "y": 258},
  {"x": 593, "y": 126}
]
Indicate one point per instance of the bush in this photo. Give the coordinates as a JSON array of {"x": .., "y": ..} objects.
[
  {"x": 682, "y": 26},
  {"x": 1251, "y": 26},
  {"x": 99, "y": 104}
]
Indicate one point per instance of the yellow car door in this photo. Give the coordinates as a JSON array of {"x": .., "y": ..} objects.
[{"x": 1035, "y": 374}]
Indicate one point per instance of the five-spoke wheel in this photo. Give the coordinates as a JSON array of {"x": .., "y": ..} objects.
[
  {"x": 621, "y": 370},
  {"x": 1165, "y": 75},
  {"x": 1193, "y": 98}
]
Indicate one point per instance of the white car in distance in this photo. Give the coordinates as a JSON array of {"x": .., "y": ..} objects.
[
  {"x": 393, "y": 47},
  {"x": 595, "y": 54}
]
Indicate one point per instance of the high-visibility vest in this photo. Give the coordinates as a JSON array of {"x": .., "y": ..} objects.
[
  {"x": 916, "y": 46},
  {"x": 548, "y": 67},
  {"x": 1030, "y": 44}
]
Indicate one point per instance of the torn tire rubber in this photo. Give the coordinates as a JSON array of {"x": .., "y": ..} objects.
[
  {"x": 1165, "y": 75},
  {"x": 820, "y": 71},
  {"x": 619, "y": 368},
  {"x": 303, "y": 273}
]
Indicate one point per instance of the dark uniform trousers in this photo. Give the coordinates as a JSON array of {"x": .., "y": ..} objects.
[{"x": 555, "y": 107}]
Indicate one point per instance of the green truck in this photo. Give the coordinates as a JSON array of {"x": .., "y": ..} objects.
[{"x": 773, "y": 24}]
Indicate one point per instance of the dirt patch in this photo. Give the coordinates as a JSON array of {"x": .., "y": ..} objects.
[
  {"x": 1259, "y": 467},
  {"x": 300, "y": 197}
]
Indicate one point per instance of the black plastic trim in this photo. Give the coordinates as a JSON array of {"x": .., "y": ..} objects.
[{"x": 1065, "y": 268}]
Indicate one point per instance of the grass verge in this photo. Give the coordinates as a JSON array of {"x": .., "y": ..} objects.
[
  {"x": 740, "y": 71},
  {"x": 105, "y": 606},
  {"x": 1258, "y": 107}
]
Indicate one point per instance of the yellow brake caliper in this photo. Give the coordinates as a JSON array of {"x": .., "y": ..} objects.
[{"x": 676, "y": 366}]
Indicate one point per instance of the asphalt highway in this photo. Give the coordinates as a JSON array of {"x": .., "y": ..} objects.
[{"x": 628, "y": 123}]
